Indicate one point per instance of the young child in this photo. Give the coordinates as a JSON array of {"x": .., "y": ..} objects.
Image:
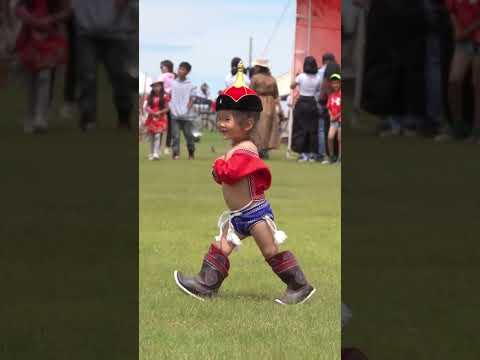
[
  {"x": 156, "y": 123},
  {"x": 181, "y": 102},
  {"x": 334, "y": 106},
  {"x": 244, "y": 178},
  {"x": 41, "y": 46}
]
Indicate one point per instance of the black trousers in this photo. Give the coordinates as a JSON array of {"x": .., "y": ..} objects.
[
  {"x": 305, "y": 125},
  {"x": 92, "y": 50}
]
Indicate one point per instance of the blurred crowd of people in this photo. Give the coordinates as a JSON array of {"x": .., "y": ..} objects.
[
  {"x": 317, "y": 111},
  {"x": 74, "y": 36},
  {"x": 181, "y": 98},
  {"x": 422, "y": 67},
  {"x": 166, "y": 109}
]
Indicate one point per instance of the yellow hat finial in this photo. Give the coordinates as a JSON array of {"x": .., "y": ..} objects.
[{"x": 240, "y": 79}]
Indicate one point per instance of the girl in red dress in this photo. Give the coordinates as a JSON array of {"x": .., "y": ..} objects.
[
  {"x": 244, "y": 178},
  {"x": 334, "y": 106},
  {"x": 156, "y": 123},
  {"x": 41, "y": 46}
]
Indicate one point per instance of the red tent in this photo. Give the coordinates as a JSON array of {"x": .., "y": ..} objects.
[{"x": 318, "y": 30}]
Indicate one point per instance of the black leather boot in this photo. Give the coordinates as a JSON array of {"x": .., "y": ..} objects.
[
  {"x": 287, "y": 269},
  {"x": 214, "y": 270}
]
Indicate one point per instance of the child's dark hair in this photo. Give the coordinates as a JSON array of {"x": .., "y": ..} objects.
[
  {"x": 328, "y": 57},
  {"x": 310, "y": 65},
  {"x": 161, "y": 95},
  {"x": 185, "y": 65},
  {"x": 168, "y": 64},
  {"x": 233, "y": 65}
]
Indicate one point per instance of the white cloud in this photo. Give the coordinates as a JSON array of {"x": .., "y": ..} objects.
[{"x": 215, "y": 31}]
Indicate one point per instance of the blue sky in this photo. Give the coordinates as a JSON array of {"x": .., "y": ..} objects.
[{"x": 208, "y": 33}]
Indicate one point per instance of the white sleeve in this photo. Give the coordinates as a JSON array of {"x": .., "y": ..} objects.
[{"x": 299, "y": 79}]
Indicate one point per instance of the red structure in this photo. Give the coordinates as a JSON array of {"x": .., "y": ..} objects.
[{"x": 318, "y": 30}]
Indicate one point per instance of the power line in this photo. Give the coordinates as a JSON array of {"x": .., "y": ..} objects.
[{"x": 277, "y": 24}]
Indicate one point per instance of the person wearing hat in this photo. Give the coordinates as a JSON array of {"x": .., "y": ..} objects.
[
  {"x": 156, "y": 123},
  {"x": 266, "y": 87},
  {"x": 244, "y": 178},
  {"x": 334, "y": 106}
]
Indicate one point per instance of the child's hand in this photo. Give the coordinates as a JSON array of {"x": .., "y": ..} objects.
[{"x": 214, "y": 174}]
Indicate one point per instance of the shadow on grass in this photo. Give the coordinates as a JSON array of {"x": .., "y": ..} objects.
[{"x": 240, "y": 295}]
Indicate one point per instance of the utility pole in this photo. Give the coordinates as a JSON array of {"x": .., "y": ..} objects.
[{"x": 250, "y": 47}]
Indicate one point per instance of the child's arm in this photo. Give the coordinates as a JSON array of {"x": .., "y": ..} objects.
[
  {"x": 336, "y": 117},
  {"x": 463, "y": 34},
  {"x": 332, "y": 118},
  {"x": 151, "y": 111},
  {"x": 295, "y": 82},
  {"x": 191, "y": 98},
  {"x": 233, "y": 169},
  {"x": 163, "y": 111}
]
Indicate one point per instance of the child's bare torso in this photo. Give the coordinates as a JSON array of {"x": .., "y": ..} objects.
[{"x": 238, "y": 195}]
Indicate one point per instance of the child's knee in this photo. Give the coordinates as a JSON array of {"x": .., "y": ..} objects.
[{"x": 270, "y": 251}]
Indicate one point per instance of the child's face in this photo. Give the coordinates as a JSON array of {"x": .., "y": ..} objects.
[
  {"x": 182, "y": 72},
  {"x": 230, "y": 128},
  {"x": 157, "y": 88},
  {"x": 336, "y": 85},
  {"x": 163, "y": 69}
]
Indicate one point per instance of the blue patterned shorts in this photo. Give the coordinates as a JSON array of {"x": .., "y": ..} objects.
[{"x": 241, "y": 221}]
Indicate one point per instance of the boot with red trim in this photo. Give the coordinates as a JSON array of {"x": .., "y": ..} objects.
[
  {"x": 214, "y": 270},
  {"x": 288, "y": 270}
]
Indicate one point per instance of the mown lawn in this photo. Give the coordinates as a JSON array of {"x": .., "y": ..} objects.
[{"x": 179, "y": 207}]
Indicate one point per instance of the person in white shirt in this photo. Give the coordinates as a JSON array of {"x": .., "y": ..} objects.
[
  {"x": 182, "y": 94},
  {"x": 306, "y": 112}
]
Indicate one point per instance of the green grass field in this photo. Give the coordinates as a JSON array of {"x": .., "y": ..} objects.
[
  {"x": 409, "y": 245},
  {"x": 69, "y": 280},
  {"x": 179, "y": 207}
]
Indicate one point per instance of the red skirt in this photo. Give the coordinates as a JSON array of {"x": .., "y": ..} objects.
[
  {"x": 155, "y": 126},
  {"x": 39, "y": 51}
]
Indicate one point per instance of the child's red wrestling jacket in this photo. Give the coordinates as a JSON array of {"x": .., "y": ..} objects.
[{"x": 244, "y": 164}]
